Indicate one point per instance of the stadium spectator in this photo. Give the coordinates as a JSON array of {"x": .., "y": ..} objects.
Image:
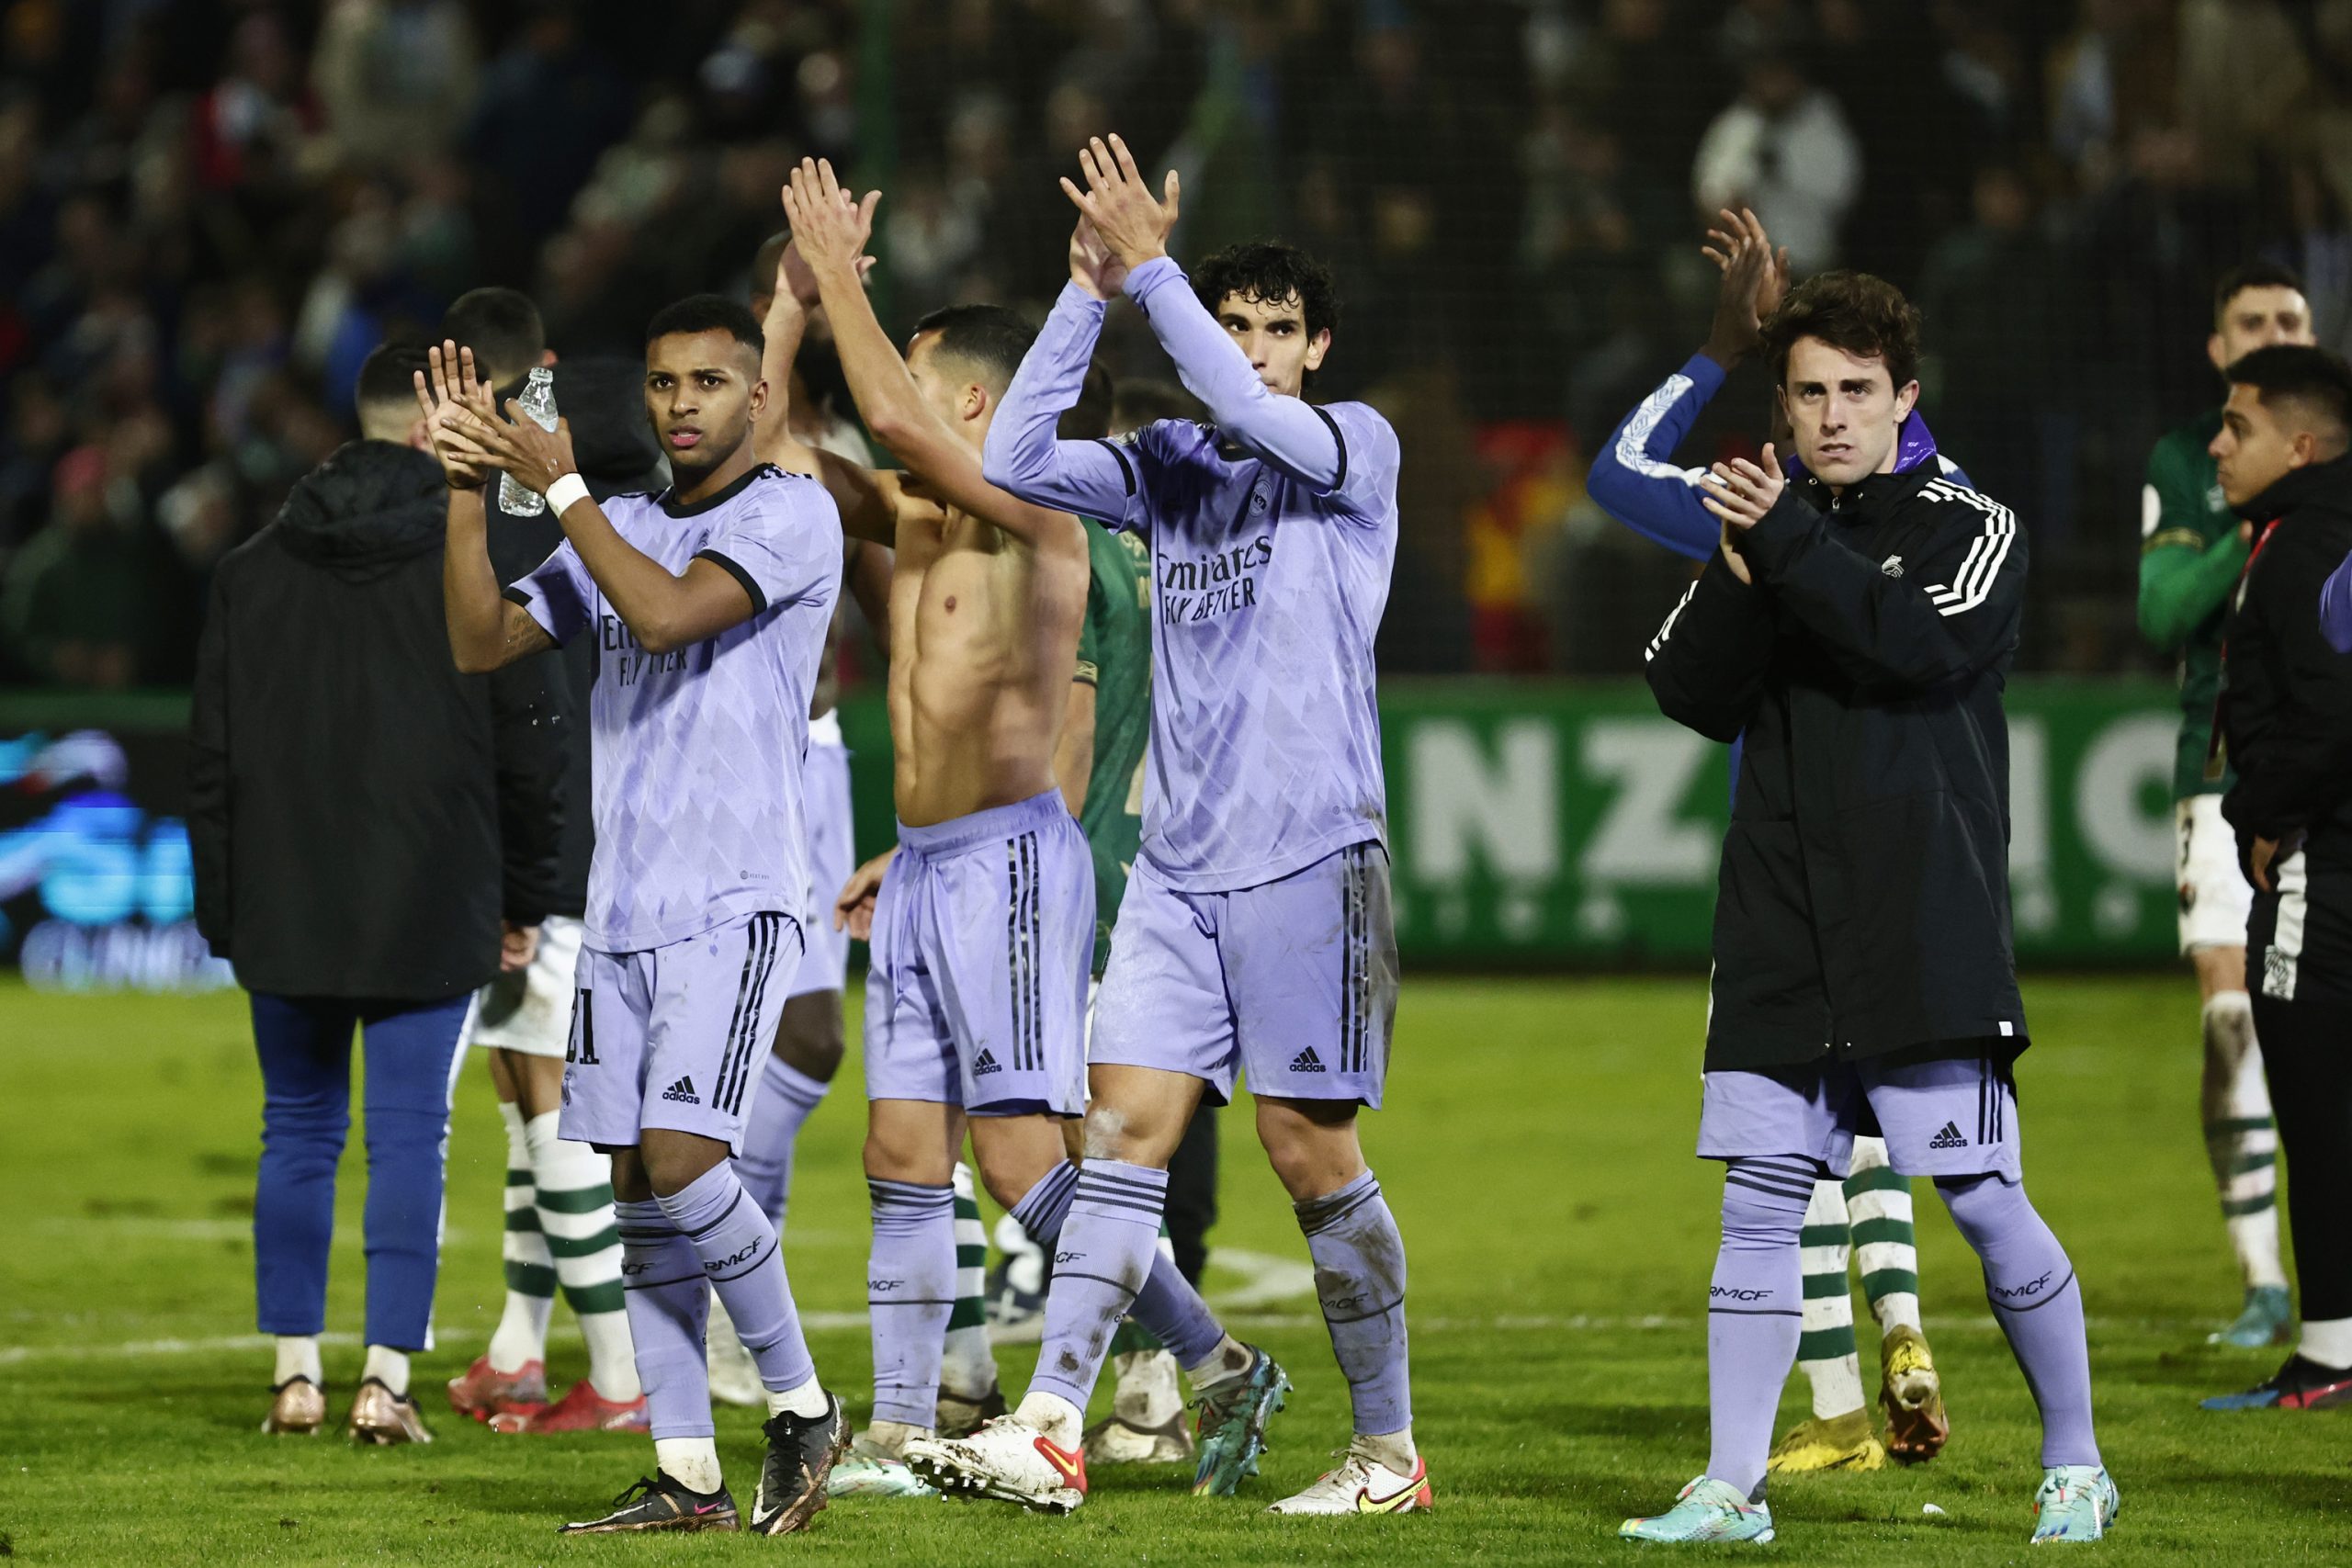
[
  {"x": 374, "y": 837},
  {"x": 75, "y": 607},
  {"x": 1783, "y": 149}
]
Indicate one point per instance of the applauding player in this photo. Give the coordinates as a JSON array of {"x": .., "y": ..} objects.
[
  {"x": 710, "y": 603},
  {"x": 1255, "y": 934},
  {"x": 1858, "y": 625}
]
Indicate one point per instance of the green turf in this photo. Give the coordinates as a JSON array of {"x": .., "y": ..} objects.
[{"x": 1537, "y": 1153}]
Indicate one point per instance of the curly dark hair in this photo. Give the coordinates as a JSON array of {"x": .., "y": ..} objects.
[
  {"x": 1867, "y": 317},
  {"x": 1268, "y": 271}
]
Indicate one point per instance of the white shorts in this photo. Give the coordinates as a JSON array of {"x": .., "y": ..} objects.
[
  {"x": 832, "y": 856},
  {"x": 531, "y": 1012},
  {"x": 2215, "y": 897}
]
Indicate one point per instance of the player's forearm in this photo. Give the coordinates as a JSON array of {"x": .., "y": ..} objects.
[
  {"x": 1285, "y": 432},
  {"x": 1887, "y": 630},
  {"x": 879, "y": 382},
  {"x": 1632, "y": 478},
  {"x": 653, "y": 602},
  {"x": 470, "y": 589},
  {"x": 786, "y": 324},
  {"x": 1023, "y": 455},
  {"x": 2180, "y": 589}
]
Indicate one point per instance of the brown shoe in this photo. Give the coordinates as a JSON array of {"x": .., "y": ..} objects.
[
  {"x": 380, "y": 1416},
  {"x": 298, "y": 1408}
]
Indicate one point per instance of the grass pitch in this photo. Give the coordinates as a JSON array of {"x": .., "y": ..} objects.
[{"x": 1537, "y": 1152}]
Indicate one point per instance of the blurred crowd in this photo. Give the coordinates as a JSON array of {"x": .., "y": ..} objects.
[{"x": 212, "y": 210}]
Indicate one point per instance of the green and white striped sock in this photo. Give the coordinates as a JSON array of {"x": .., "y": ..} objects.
[
  {"x": 1878, "y": 1201},
  {"x": 967, "y": 1370},
  {"x": 575, "y": 1212},
  {"x": 521, "y": 1337},
  {"x": 1826, "y": 1347},
  {"x": 2242, "y": 1138}
]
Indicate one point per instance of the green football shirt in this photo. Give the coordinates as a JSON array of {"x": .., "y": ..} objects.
[
  {"x": 1114, "y": 657},
  {"x": 2190, "y": 558}
]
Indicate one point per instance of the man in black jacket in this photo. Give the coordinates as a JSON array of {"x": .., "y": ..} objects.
[
  {"x": 366, "y": 824},
  {"x": 1857, "y": 627},
  {"x": 558, "y": 1193},
  {"x": 2286, "y": 718}
]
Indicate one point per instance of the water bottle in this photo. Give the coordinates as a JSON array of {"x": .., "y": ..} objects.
[{"x": 538, "y": 404}]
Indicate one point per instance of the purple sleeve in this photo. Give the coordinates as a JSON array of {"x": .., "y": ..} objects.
[
  {"x": 558, "y": 594},
  {"x": 2335, "y": 607},
  {"x": 1294, "y": 436},
  {"x": 1022, "y": 455},
  {"x": 787, "y": 551},
  {"x": 1632, "y": 479}
]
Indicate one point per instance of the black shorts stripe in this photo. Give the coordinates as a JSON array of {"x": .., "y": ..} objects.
[
  {"x": 762, "y": 946},
  {"x": 1013, "y": 990},
  {"x": 743, "y": 1024},
  {"x": 751, "y": 1044},
  {"x": 1347, "y": 956},
  {"x": 1036, "y": 956},
  {"x": 742, "y": 1003}
]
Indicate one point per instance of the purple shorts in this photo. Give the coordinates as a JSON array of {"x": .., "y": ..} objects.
[
  {"x": 1942, "y": 1116},
  {"x": 832, "y": 856},
  {"x": 673, "y": 1037},
  {"x": 1293, "y": 983},
  {"x": 975, "y": 993}
]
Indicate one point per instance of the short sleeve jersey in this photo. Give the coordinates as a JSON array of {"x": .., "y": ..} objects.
[
  {"x": 697, "y": 752},
  {"x": 1266, "y": 595}
]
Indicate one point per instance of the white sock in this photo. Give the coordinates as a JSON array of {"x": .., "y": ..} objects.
[
  {"x": 1394, "y": 1449},
  {"x": 2328, "y": 1343},
  {"x": 692, "y": 1462},
  {"x": 1230, "y": 1358},
  {"x": 297, "y": 1357},
  {"x": 1061, "y": 1423},
  {"x": 808, "y": 1399},
  {"x": 387, "y": 1366},
  {"x": 1148, "y": 1395},
  {"x": 892, "y": 1436}
]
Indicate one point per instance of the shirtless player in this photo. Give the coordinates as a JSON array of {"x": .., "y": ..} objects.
[{"x": 982, "y": 919}]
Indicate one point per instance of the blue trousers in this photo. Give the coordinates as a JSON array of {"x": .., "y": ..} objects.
[{"x": 304, "y": 1043}]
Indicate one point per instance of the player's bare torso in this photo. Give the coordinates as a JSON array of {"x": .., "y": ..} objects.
[{"x": 984, "y": 639}]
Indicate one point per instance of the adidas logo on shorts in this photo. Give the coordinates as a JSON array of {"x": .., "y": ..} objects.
[
  {"x": 984, "y": 1063},
  {"x": 682, "y": 1091},
  {"x": 1948, "y": 1138},
  {"x": 1306, "y": 1061}
]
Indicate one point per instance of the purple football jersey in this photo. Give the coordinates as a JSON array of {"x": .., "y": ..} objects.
[
  {"x": 698, "y": 752},
  {"x": 1266, "y": 595}
]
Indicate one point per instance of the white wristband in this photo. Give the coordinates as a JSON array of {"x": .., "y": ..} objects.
[{"x": 564, "y": 491}]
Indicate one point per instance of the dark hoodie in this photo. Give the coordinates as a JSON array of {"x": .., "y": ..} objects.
[
  {"x": 361, "y": 815},
  {"x": 603, "y": 399},
  {"x": 2286, "y": 708}
]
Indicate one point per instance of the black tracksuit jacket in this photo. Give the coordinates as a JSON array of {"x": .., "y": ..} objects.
[
  {"x": 361, "y": 816},
  {"x": 2286, "y": 718},
  {"x": 1864, "y": 900}
]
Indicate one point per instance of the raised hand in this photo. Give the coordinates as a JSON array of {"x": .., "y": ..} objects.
[
  {"x": 1131, "y": 224},
  {"x": 1741, "y": 492},
  {"x": 1755, "y": 278},
  {"x": 1091, "y": 265},
  {"x": 454, "y": 392},
  {"x": 830, "y": 226},
  {"x": 520, "y": 445}
]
